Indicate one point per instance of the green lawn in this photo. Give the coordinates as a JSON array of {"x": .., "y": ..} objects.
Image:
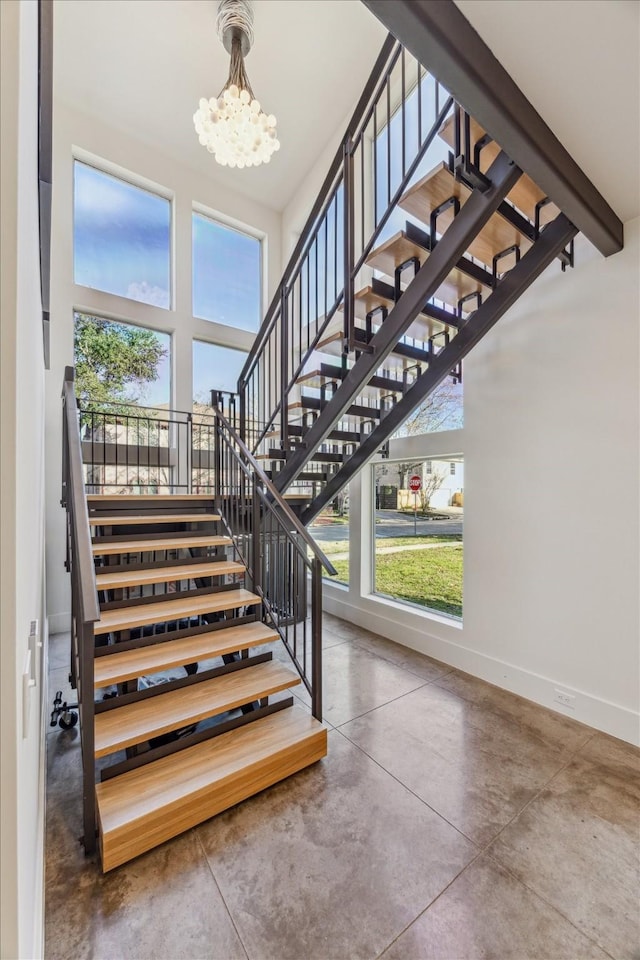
[
  {"x": 430, "y": 578},
  {"x": 412, "y": 541},
  {"x": 332, "y": 547}
]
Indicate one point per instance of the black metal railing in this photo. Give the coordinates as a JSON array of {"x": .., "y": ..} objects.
[
  {"x": 85, "y": 610},
  {"x": 397, "y": 118},
  {"x": 284, "y": 564},
  {"x": 128, "y": 448}
]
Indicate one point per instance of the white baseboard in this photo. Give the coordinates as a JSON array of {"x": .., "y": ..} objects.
[
  {"x": 608, "y": 717},
  {"x": 59, "y": 622}
]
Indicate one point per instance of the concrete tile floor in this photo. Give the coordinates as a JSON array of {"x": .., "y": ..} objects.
[{"x": 450, "y": 820}]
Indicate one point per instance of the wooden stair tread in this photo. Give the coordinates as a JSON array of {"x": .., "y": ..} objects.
[
  {"x": 128, "y": 664},
  {"x": 330, "y": 373},
  {"x": 137, "y": 722},
  {"x": 399, "y": 248},
  {"x": 436, "y": 187},
  {"x": 104, "y": 520},
  {"x": 525, "y": 194},
  {"x": 144, "y": 807},
  {"x": 140, "y": 615},
  {"x": 145, "y": 498},
  {"x": 135, "y": 576},
  {"x": 332, "y": 347},
  {"x": 317, "y": 379},
  {"x": 423, "y": 327},
  {"x": 148, "y": 545}
]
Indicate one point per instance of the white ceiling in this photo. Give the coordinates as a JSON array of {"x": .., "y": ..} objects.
[
  {"x": 577, "y": 62},
  {"x": 144, "y": 64}
]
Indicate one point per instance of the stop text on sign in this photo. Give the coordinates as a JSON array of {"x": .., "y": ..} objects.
[{"x": 415, "y": 483}]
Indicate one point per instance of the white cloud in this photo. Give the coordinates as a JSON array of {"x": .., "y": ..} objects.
[{"x": 145, "y": 293}]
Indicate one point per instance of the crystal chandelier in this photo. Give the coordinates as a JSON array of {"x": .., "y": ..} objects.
[{"x": 233, "y": 126}]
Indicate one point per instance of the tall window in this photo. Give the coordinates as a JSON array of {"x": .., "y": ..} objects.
[
  {"x": 418, "y": 536},
  {"x": 226, "y": 274},
  {"x": 121, "y": 238}
]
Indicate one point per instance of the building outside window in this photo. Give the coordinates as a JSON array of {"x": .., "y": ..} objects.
[{"x": 418, "y": 544}]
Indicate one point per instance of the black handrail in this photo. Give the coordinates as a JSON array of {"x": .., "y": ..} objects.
[
  {"x": 85, "y": 610},
  {"x": 274, "y": 547},
  {"x": 74, "y": 498},
  {"x": 275, "y": 495}
]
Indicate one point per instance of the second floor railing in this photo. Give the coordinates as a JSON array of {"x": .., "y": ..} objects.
[{"x": 127, "y": 448}]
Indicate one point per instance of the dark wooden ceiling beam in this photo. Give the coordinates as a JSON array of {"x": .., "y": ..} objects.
[{"x": 443, "y": 40}]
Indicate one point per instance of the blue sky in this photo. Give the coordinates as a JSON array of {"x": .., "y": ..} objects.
[
  {"x": 215, "y": 368},
  {"x": 226, "y": 275},
  {"x": 122, "y": 238}
]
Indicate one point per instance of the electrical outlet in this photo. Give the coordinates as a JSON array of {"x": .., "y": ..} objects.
[{"x": 565, "y": 699}]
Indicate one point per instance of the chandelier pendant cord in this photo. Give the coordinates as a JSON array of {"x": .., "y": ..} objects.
[{"x": 237, "y": 72}]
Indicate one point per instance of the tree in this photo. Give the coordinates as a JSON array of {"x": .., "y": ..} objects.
[
  {"x": 405, "y": 470},
  {"x": 430, "y": 484},
  {"x": 114, "y": 361},
  {"x": 441, "y": 410}
]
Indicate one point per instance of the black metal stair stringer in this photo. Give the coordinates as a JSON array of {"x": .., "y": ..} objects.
[
  {"x": 477, "y": 210},
  {"x": 553, "y": 239}
]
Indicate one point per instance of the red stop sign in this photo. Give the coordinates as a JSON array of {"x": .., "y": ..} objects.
[{"x": 415, "y": 483}]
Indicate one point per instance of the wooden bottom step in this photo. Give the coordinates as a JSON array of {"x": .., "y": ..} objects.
[
  {"x": 124, "y": 726},
  {"x": 142, "y": 808},
  {"x": 129, "y": 664}
]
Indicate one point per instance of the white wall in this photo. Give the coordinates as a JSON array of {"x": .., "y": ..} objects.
[
  {"x": 21, "y": 496},
  {"x": 294, "y": 215},
  {"x": 551, "y": 570},
  {"x": 87, "y": 137}
]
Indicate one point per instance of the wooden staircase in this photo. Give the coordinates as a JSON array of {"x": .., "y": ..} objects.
[{"x": 174, "y": 608}]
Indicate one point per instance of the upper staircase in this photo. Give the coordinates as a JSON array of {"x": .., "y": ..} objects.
[{"x": 424, "y": 234}]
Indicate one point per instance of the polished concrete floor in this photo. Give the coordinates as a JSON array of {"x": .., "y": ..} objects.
[{"x": 450, "y": 820}]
